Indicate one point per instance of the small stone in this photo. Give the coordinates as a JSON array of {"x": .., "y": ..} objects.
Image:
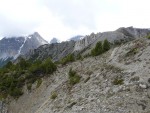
[{"x": 144, "y": 86}]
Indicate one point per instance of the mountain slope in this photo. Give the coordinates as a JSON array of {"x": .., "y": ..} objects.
[
  {"x": 55, "y": 51},
  {"x": 115, "y": 82}
]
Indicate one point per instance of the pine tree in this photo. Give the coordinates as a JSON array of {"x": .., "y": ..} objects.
[
  {"x": 98, "y": 49},
  {"x": 106, "y": 45}
]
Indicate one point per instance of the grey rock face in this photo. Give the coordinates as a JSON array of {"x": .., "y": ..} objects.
[
  {"x": 9, "y": 46},
  {"x": 33, "y": 41},
  {"x": 14, "y": 46},
  {"x": 59, "y": 50},
  {"x": 55, "y": 51},
  {"x": 86, "y": 41},
  {"x": 125, "y": 34}
]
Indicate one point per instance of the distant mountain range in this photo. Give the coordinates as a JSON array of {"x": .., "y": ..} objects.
[
  {"x": 12, "y": 47},
  {"x": 83, "y": 45},
  {"x": 30, "y": 47},
  {"x": 75, "y": 38}
]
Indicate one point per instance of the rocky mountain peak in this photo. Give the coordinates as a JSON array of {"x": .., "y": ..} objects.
[
  {"x": 37, "y": 37},
  {"x": 12, "y": 47},
  {"x": 54, "y": 40}
]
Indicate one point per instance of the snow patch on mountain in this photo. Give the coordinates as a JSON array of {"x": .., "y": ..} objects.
[{"x": 19, "y": 51}]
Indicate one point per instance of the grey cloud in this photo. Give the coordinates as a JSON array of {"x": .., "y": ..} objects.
[
  {"x": 14, "y": 28},
  {"x": 75, "y": 13}
]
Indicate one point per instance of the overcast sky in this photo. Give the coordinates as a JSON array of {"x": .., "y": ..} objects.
[{"x": 66, "y": 18}]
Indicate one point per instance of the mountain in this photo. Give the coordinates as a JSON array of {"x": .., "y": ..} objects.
[
  {"x": 76, "y": 38},
  {"x": 83, "y": 46},
  {"x": 12, "y": 47},
  {"x": 56, "y": 51},
  {"x": 116, "y": 81},
  {"x": 54, "y": 40}
]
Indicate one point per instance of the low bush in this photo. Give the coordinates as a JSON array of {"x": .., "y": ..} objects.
[
  {"x": 39, "y": 82},
  {"x": 79, "y": 57},
  {"x": 16, "y": 92},
  {"x": 29, "y": 86},
  {"x": 53, "y": 95},
  {"x": 148, "y": 37},
  {"x": 118, "y": 81},
  {"x": 67, "y": 59},
  {"x": 73, "y": 77}
]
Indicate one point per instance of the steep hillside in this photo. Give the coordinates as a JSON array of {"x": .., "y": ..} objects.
[{"x": 117, "y": 81}]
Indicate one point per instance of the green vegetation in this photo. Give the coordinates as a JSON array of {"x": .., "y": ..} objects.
[
  {"x": 100, "y": 48},
  {"x": 39, "y": 82},
  {"x": 118, "y": 81},
  {"x": 106, "y": 45},
  {"x": 14, "y": 76},
  {"x": 73, "y": 77},
  {"x": 67, "y": 59},
  {"x": 148, "y": 37},
  {"x": 29, "y": 86},
  {"x": 79, "y": 57},
  {"x": 133, "y": 51},
  {"x": 53, "y": 95}
]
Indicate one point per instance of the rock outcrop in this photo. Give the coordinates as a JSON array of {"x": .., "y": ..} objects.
[
  {"x": 121, "y": 34},
  {"x": 55, "y": 51}
]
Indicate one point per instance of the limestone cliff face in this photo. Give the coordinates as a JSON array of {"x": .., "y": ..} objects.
[
  {"x": 125, "y": 34},
  {"x": 86, "y": 41}
]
